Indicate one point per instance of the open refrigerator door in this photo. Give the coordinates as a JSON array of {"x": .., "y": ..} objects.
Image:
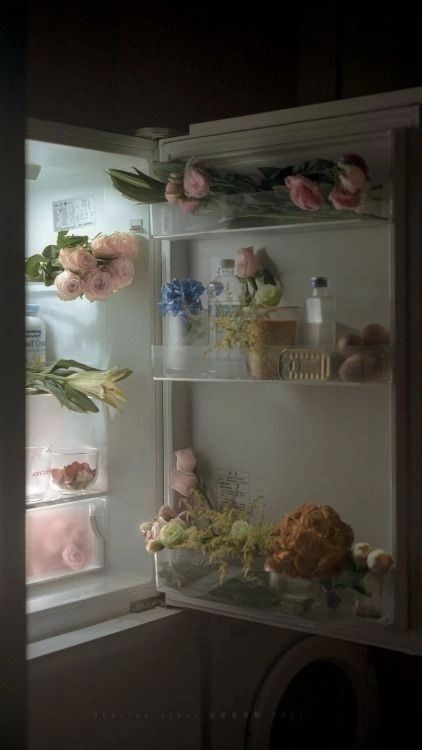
[
  {"x": 270, "y": 440},
  {"x": 286, "y": 436}
]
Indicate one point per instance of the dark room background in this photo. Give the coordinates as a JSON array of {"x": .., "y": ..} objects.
[{"x": 123, "y": 66}]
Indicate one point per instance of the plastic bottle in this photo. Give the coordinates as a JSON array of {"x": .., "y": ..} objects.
[
  {"x": 35, "y": 339},
  {"x": 319, "y": 324},
  {"x": 225, "y": 295}
]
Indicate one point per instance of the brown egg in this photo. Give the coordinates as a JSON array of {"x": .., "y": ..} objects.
[
  {"x": 375, "y": 334},
  {"x": 347, "y": 344},
  {"x": 359, "y": 368}
]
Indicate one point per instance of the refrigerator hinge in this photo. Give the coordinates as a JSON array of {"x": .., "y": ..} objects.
[{"x": 142, "y": 605}]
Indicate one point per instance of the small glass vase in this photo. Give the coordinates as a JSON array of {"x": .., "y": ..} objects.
[
  {"x": 272, "y": 329},
  {"x": 73, "y": 471},
  {"x": 186, "y": 337}
]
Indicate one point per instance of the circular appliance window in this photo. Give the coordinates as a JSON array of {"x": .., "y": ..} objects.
[{"x": 321, "y": 693}]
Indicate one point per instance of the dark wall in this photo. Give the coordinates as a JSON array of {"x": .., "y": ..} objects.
[{"x": 123, "y": 66}]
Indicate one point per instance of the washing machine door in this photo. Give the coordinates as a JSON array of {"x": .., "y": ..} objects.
[{"x": 320, "y": 693}]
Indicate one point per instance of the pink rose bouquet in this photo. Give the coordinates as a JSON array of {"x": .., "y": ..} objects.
[
  {"x": 78, "y": 267},
  {"x": 185, "y": 477},
  {"x": 169, "y": 528},
  {"x": 270, "y": 196}
]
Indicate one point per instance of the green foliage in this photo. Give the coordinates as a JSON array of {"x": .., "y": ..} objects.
[
  {"x": 210, "y": 531},
  {"x": 46, "y": 266}
]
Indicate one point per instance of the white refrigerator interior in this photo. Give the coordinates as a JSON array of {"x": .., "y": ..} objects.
[
  {"x": 289, "y": 444},
  {"x": 337, "y": 442},
  {"x": 73, "y": 191}
]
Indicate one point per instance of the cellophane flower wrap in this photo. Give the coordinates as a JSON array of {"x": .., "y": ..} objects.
[{"x": 314, "y": 189}]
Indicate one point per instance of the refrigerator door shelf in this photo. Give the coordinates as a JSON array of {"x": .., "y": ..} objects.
[
  {"x": 191, "y": 574},
  {"x": 168, "y": 221},
  {"x": 271, "y": 364},
  {"x": 64, "y": 539}
]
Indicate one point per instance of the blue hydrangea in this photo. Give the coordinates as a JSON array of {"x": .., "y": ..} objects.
[{"x": 181, "y": 296}]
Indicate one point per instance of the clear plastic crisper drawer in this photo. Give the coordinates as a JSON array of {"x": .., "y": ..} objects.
[{"x": 64, "y": 539}]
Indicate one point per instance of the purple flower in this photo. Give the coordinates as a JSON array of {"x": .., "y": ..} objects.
[{"x": 181, "y": 296}]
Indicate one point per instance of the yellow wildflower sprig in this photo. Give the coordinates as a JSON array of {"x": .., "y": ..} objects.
[{"x": 229, "y": 535}]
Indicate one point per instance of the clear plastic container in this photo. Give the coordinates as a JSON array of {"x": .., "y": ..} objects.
[
  {"x": 73, "y": 471},
  {"x": 225, "y": 297},
  {"x": 38, "y": 460},
  {"x": 271, "y": 330},
  {"x": 64, "y": 539}
]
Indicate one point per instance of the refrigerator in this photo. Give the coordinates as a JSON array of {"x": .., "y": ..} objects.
[{"x": 286, "y": 442}]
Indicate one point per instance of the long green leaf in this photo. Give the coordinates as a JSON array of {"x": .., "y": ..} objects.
[
  {"x": 66, "y": 363},
  {"x": 80, "y": 400},
  {"x": 138, "y": 180},
  {"x": 50, "y": 252}
]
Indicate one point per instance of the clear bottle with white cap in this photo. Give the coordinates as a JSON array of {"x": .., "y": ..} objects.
[
  {"x": 225, "y": 296},
  {"x": 319, "y": 323}
]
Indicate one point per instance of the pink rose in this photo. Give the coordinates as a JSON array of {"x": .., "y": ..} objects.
[
  {"x": 98, "y": 285},
  {"x": 246, "y": 263},
  {"x": 68, "y": 285},
  {"x": 304, "y": 193},
  {"x": 186, "y": 460},
  {"x": 105, "y": 246},
  {"x": 77, "y": 259},
  {"x": 122, "y": 243},
  {"x": 196, "y": 182},
  {"x": 122, "y": 271},
  {"x": 188, "y": 206},
  {"x": 344, "y": 200},
  {"x": 73, "y": 557},
  {"x": 156, "y": 528},
  {"x": 174, "y": 191},
  {"x": 183, "y": 482},
  {"x": 353, "y": 175}
]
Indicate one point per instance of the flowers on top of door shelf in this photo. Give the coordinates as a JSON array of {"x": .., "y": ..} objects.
[
  {"x": 75, "y": 385},
  {"x": 310, "y": 549},
  {"x": 77, "y": 266},
  {"x": 315, "y": 185},
  {"x": 259, "y": 284}
]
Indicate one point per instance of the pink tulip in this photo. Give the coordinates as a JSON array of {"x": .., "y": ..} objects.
[
  {"x": 188, "y": 206},
  {"x": 183, "y": 482},
  {"x": 246, "y": 263},
  {"x": 186, "y": 460},
  {"x": 353, "y": 175},
  {"x": 304, "y": 193},
  {"x": 196, "y": 182},
  {"x": 341, "y": 199},
  {"x": 174, "y": 191}
]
